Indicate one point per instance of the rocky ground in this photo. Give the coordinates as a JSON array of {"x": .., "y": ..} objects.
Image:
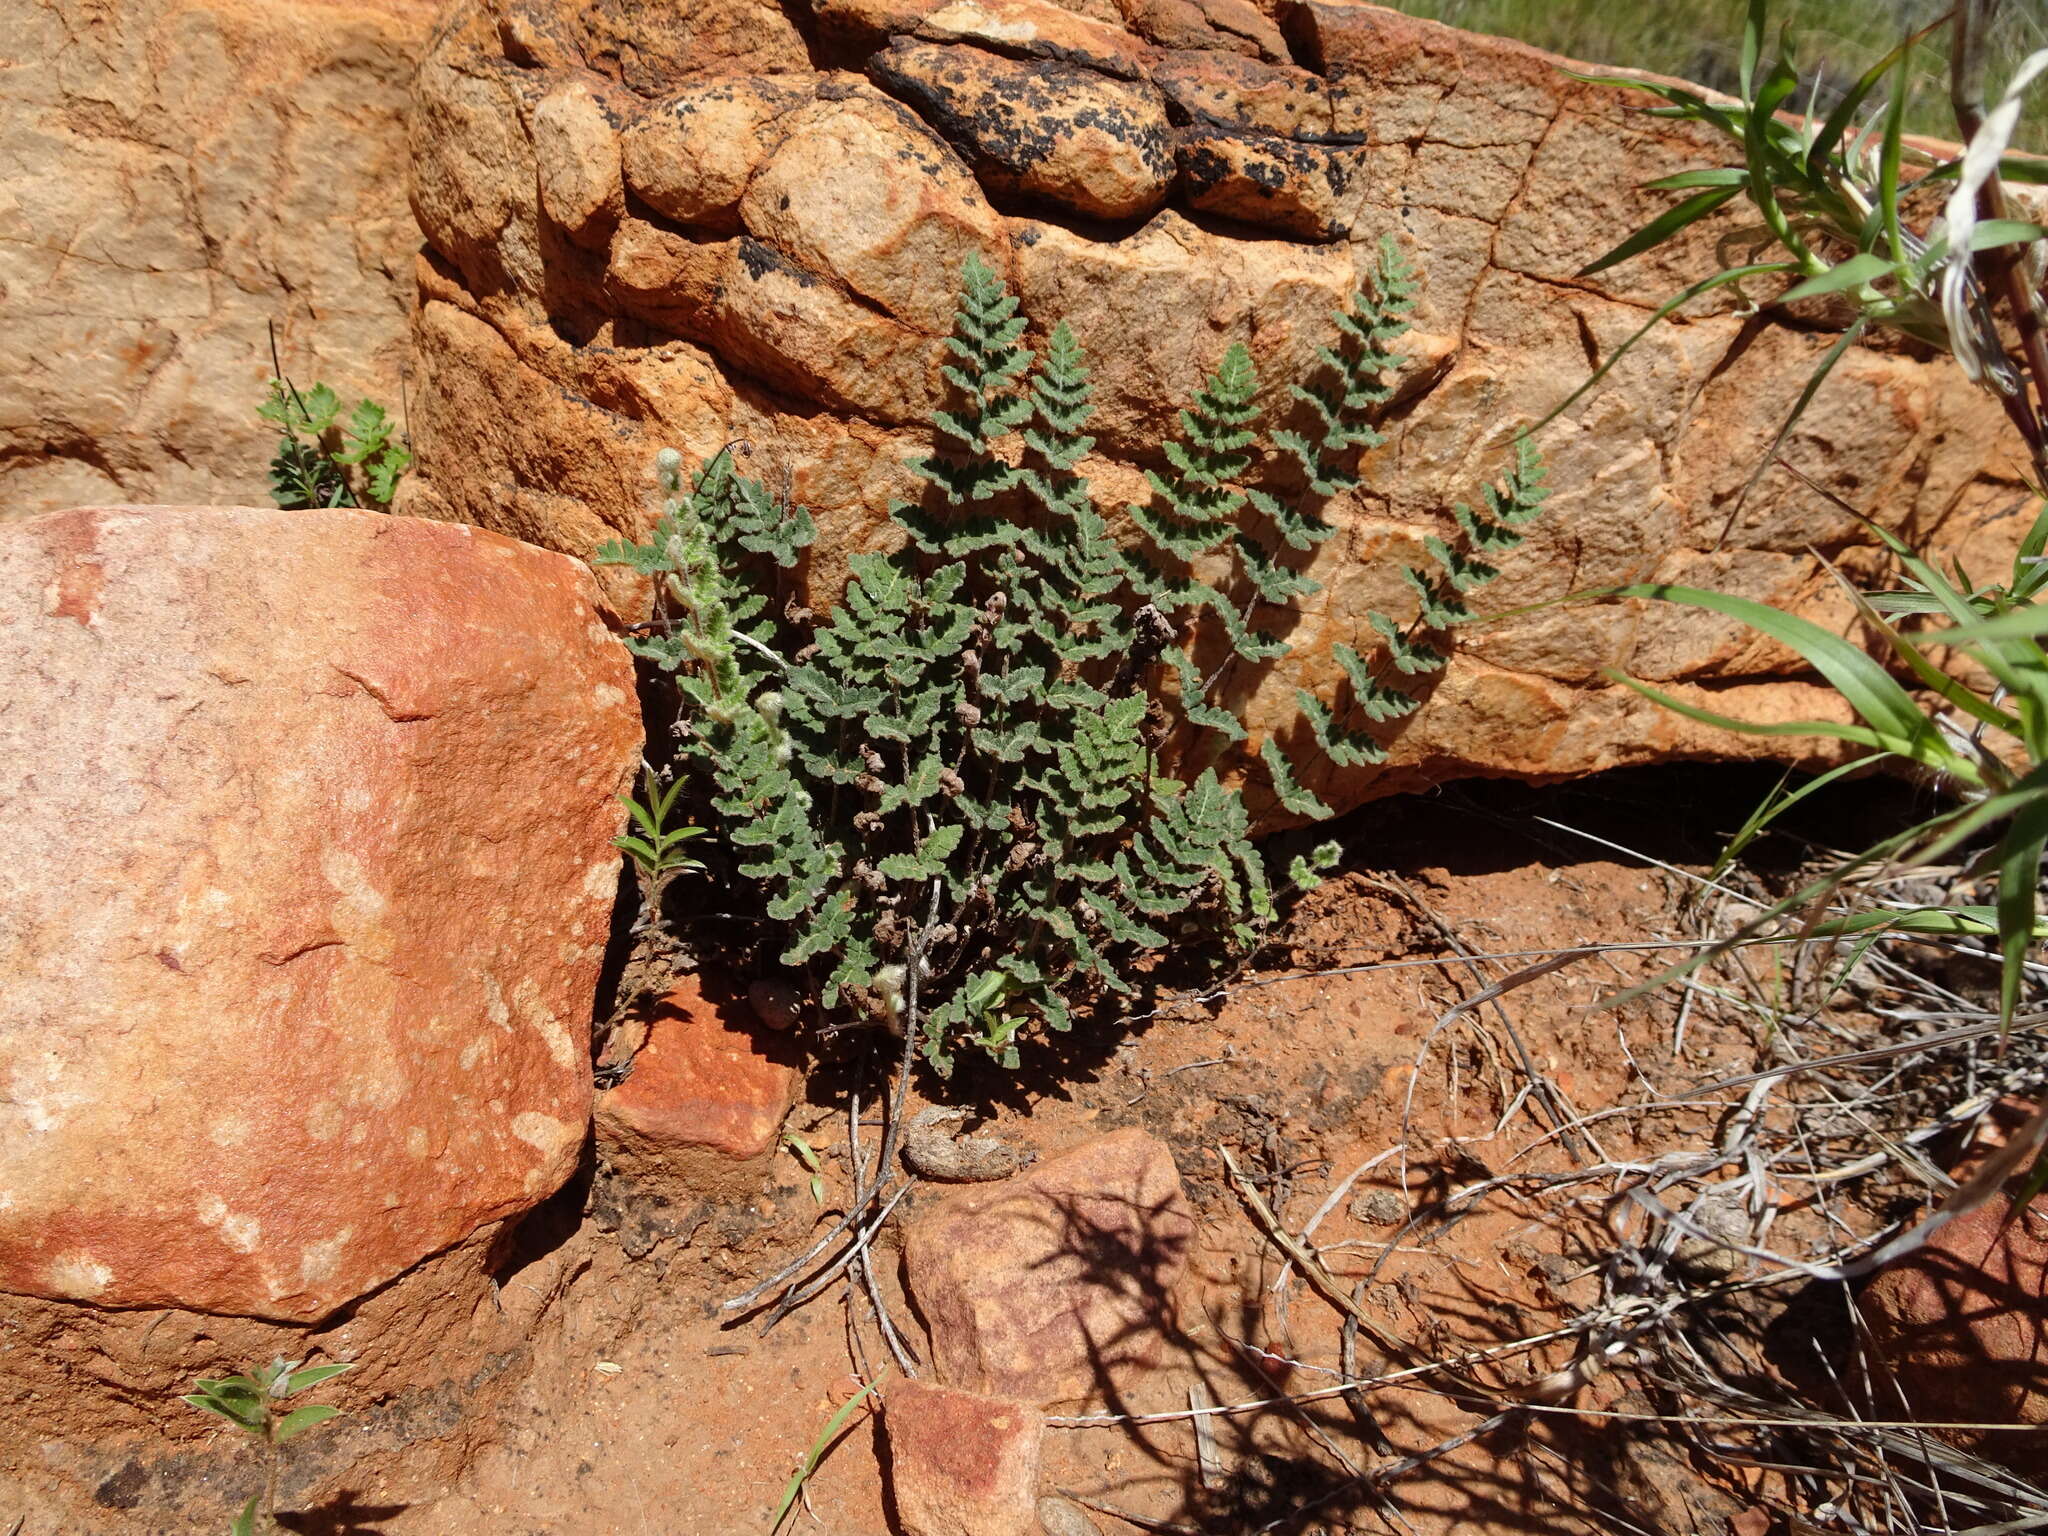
[{"x": 648, "y": 1412}]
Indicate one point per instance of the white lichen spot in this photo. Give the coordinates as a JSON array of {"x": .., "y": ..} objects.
[
  {"x": 601, "y": 880},
  {"x": 318, "y": 1261},
  {"x": 495, "y": 1007},
  {"x": 241, "y": 1233},
  {"x": 416, "y": 1143},
  {"x": 360, "y": 907},
  {"x": 33, "y": 1091},
  {"x": 79, "y": 1276},
  {"x": 535, "y": 1013},
  {"x": 325, "y": 1120},
  {"x": 230, "y": 1133},
  {"x": 475, "y": 1052},
  {"x": 605, "y": 696},
  {"x": 555, "y": 1141}
]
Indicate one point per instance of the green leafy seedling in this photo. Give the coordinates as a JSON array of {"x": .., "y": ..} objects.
[
  {"x": 826, "y": 1438},
  {"x": 657, "y": 850},
  {"x": 806, "y": 1154},
  {"x": 254, "y": 1403},
  {"x": 323, "y": 460},
  {"x": 655, "y": 847}
]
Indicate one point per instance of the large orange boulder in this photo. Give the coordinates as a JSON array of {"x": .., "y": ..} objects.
[{"x": 308, "y": 877}]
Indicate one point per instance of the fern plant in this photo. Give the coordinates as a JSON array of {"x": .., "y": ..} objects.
[{"x": 952, "y": 790}]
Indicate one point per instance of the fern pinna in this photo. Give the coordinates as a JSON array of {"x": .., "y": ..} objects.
[{"x": 962, "y": 772}]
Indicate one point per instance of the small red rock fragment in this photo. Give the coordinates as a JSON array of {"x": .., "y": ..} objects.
[
  {"x": 776, "y": 1003},
  {"x": 706, "y": 1095},
  {"x": 961, "y": 1464},
  {"x": 1963, "y": 1326}
]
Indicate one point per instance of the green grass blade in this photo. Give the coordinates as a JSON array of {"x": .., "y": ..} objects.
[
  {"x": 1994, "y": 234},
  {"x": 1763, "y": 158},
  {"x": 1775, "y": 805},
  {"x": 1864, "y": 267},
  {"x": 1752, "y": 46},
  {"x": 1684, "y": 103},
  {"x": 2019, "y": 873},
  {"x": 1931, "y": 677},
  {"x": 1870, "y": 690},
  {"x": 1949, "y": 922},
  {"x": 1663, "y": 227},
  {"x": 819, "y": 1447},
  {"x": 1861, "y": 735},
  {"x": 1889, "y": 155},
  {"x": 1685, "y": 181}
]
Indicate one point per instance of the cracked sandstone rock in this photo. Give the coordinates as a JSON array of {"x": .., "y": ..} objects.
[
  {"x": 178, "y": 174},
  {"x": 802, "y": 181}
]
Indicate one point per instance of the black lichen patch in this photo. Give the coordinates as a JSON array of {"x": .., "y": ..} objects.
[
  {"x": 1013, "y": 116},
  {"x": 760, "y": 260},
  {"x": 1266, "y": 180}
]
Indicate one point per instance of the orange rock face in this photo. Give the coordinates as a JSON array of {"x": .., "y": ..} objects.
[
  {"x": 308, "y": 879},
  {"x": 1048, "y": 1286},
  {"x": 1168, "y": 177},
  {"x": 181, "y": 176}
]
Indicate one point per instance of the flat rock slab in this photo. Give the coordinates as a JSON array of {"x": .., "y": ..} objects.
[
  {"x": 1051, "y": 1286},
  {"x": 308, "y": 819}
]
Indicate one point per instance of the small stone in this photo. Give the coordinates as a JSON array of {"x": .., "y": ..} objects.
[
  {"x": 933, "y": 1154},
  {"x": 1379, "y": 1208},
  {"x": 1722, "y": 1214},
  {"x": 1063, "y": 1517},
  {"x": 1962, "y": 1324},
  {"x": 776, "y": 1003},
  {"x": 703, "y": 1106},
  {"x": 1053, "y": 1285},
  {"x": 961, "y": 1464}
]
